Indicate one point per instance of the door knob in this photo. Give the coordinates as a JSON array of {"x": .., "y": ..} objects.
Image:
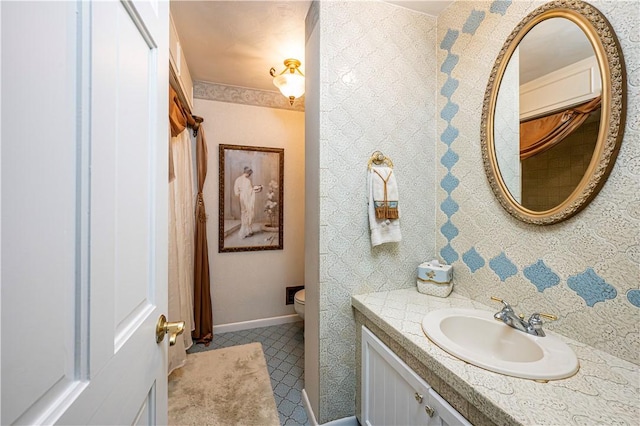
[{"x": 173, "y": 329}]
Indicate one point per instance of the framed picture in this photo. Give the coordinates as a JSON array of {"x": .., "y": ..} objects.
[{"x": 251, "y": 196}]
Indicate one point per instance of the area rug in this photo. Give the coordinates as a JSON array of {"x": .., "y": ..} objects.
[{"x": 229, "y": 386}]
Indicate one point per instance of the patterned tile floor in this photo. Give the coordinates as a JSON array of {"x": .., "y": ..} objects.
[{"x": 283, "y": 347}]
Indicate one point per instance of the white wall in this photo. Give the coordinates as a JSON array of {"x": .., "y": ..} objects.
[{"x": 251, "y": 285}]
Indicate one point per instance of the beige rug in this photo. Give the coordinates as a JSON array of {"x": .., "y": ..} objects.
[{"x": 229, "y": 386}]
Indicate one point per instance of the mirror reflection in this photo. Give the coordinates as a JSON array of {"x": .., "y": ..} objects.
[{"x": 547, "y": 114}]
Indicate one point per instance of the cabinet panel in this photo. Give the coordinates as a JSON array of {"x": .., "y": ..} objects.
[
  {"x": 393, "y": 394},
  {"x": 445, "y": 414}
]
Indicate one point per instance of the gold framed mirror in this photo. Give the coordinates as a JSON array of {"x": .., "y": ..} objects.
[{"x": 553, "y": 112}]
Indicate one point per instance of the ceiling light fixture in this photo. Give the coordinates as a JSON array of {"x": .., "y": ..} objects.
[{"x": 290, "y": 81}]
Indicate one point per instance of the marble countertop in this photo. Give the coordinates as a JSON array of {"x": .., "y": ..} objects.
[{"x": 606, "y": 389}]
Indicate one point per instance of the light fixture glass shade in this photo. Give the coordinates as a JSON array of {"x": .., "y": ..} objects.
[{"x": 290, "y": 84}]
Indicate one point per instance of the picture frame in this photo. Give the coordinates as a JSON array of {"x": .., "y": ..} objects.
[{"x": 251, "y": 189}]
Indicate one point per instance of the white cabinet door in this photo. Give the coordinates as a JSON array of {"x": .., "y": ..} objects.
[
  {"x": 393, "y": 394},
  {"x": 84, "y": 211},
  {"x": 443, "y": 413}
]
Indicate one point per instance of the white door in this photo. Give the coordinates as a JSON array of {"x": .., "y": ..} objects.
[{"x": 84, "y": 211}]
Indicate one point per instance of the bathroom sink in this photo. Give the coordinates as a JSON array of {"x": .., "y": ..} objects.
[{"x": 477, "y": 338}]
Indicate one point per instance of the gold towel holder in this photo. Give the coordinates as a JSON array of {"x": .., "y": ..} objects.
[{"x": 378, "y": 158}]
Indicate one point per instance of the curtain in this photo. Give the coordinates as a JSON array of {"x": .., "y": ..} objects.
[
  {"x": 179, "y": 119},
  {"x": 203, "y": 332},
  {"x": 538, "y": 135},
  {"x": 181, "y": 245}
]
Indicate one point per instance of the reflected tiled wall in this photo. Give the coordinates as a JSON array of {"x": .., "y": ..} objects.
[
  {"x": 586, "y": 269},
  {"x": 507, "y": 128},
  {"x": 377, "y": 92},
  {"x": 549, "y": 177}
]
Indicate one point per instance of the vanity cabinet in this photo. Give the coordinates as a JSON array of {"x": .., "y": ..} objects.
[{"x": 393, "y": 394}]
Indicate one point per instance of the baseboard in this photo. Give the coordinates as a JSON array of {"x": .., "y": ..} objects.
[
  {"x": 307, "y": 407},
  {"x": 264, "y": 322},
  {"x": 346, "y": 421}
]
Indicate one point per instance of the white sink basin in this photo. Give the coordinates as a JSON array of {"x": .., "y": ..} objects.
[{"x": 476, "y": 337}]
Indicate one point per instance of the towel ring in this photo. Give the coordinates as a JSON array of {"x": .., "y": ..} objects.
[{"x": 378, "y": 158}]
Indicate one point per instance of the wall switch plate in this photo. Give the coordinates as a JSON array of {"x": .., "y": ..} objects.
[{"x": 291, "y": 292}]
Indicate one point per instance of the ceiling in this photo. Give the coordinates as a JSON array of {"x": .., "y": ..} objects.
[
  {"x": 237, "y": 42},
  {"x": 551, "y": 45}
]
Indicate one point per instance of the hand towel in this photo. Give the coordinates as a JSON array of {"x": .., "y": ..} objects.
[
  {"x": 385, "y": 193},
  {"x": 384, "y": 221}
]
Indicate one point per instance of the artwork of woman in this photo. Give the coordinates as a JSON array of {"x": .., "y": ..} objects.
[{"x": 246, "y": 192}]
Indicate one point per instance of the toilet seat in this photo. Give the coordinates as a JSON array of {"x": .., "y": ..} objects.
[{"x": 299, "y": 297}]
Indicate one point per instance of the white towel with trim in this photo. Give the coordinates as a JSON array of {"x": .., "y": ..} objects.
[{"x": 382, "y": 230}]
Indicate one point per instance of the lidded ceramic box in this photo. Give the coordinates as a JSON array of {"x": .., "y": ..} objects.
[{"x": 435, "y": 278}]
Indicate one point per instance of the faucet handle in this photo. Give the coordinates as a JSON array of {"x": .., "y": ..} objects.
[
  {"x": 497, "y": 299},
  {"x": 535, "y": 322},
  {"x": 550, "y": 317}
]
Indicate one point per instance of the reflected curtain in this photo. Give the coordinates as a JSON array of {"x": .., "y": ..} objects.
[
  {"x": 538, "y": 135},
  {"x": 181, "y": 245},
  {"x": 203, "y": 332}
]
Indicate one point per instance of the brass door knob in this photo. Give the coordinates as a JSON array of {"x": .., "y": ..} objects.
[
  {"x": 418, "y": 397},
  {"x": 173, "y": 329}
]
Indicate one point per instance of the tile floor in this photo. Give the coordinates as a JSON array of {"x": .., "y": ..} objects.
[{"x": 283, "y": 347}]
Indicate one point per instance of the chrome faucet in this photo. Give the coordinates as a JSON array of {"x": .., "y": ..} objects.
[{"x": 508, "y": 316}]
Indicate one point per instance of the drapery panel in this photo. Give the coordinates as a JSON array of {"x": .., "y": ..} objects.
[
  {"x": 203, "y": 332},
  {"x": 540, "y": 134},
  {"x": 181, "y": 246},
  {"x": 188, "y": 235}
]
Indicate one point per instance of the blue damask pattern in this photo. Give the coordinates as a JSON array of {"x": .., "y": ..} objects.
[
  {"x": 500, "y": 6},
  {"x": 449, "y": 159},
  {"x": 591, "y": 287},
  {"x": 473, "y": 259},
  {"x": 449, "y": 135},
  {"x": 449, "y": 183},
  {"x": 503, "y": 267},
  {"x": 449, "y": 111},
  {"x": 449, "y": 207},
  {"x": 449, "y": 254},
  {"x": 541, "y": 275},
  {"x": 633, "y": 296},
  {"x": 449, "y": 230},
  {"x": 473, "y": 22}
]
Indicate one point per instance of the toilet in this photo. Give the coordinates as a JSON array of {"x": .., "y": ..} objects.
[{"x": 298, "y": 303}]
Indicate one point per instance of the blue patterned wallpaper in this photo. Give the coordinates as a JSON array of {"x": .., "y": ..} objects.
[{"x": 586, "y": 269}]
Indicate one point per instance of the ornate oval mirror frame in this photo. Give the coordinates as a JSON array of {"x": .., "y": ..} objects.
[{"x": 610, "y": 62}]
